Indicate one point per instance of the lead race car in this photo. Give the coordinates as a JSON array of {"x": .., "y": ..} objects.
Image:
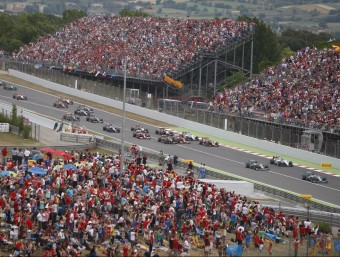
[
  {"x": 255, "y": 165},
  {"x": 312, "y": 177},
  {"x": 279, "y": 161},
  {"x": 207, "y": 142}
]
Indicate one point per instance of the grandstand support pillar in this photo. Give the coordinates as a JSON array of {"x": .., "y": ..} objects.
[
  {"x": 243, "y": 55},
  {"x": 234, "y": 56},
  {"x": 215, "y": 76},
  {"x": 251, "y": 57},
  {"x": 200, "y": 81},
  {"x": 123, "y": 122}
]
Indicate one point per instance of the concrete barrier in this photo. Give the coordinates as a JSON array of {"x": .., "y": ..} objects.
[
  {"x": 4, "y": 127},
  {"x": 227, "y": 135}
]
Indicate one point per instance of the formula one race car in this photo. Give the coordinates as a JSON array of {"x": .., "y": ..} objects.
[
  {"x": 70, "y": 117},
  {"x": 277, "y": 160},
  {"x": 94, "y": 119},
  {"x": 139, "y": 127},
  {"x": 207, "y": 142},
  {"x": 65, "y": 100},
  {"x": 141, "y": 134},
  {"x": 179, "y": 139},
  {"x": 10, "y": 87},
  {"x": 84, "y": 108},
  {"x": 19, "y": 96},
  {"x": 60, "y": 104},
  {"x": 255, "y": 165},
  {"x": 165, "y": 139},
  {"x": 81, "y": 112},
  {"x": 190, "y": 137},
  {"x": 311, "y": 177},
  {"x": 164, "y": 131},
  {"x": 111, "y": 128}
]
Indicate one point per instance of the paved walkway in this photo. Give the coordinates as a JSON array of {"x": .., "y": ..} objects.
[{"x": 50, "y": 137}]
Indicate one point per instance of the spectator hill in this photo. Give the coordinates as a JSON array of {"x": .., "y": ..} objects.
[{"x": 98, "y": 46}]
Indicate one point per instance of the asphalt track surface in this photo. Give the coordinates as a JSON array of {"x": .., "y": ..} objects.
[{"x": 222, "y": 158}]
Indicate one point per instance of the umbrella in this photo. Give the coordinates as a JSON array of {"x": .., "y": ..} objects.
[
  {"x": 70, "y": 166},
  {"x": 4, "y": 173},
  {"x": 59, "y": 152},
  {"x": 47, "y": 149},
  {"x": 8, "y": 173},
  {"x": 38, "y": 171},
  {"x": 65, "y": 155},
  {"x": 23, "y": 166}
]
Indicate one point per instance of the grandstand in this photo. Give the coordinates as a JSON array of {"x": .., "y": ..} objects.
[{"x": 198, "y": 53}]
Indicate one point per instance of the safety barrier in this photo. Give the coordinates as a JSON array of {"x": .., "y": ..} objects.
[
  {"x": 76, "y": 138},
  {"x": 4, "y": 127}
]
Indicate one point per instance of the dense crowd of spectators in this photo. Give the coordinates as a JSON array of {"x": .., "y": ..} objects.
[
  {"x": 90, "y": 202},
  {"x": 152, "y": 46},
  {"x": 302, "y": 90}
]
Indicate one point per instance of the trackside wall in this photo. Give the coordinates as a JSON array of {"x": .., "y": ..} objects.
[{"x": 227, "y": 135}]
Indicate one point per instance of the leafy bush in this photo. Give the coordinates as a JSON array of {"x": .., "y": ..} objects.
[
  {"x": 26, "y": 132},
  {"x": 325, "y": 227}
]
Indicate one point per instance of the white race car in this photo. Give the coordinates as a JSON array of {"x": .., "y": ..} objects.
[{"x": 279, "y": 161}]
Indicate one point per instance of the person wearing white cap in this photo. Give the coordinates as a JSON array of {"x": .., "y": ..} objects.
[{"x": 61, "y": 235}]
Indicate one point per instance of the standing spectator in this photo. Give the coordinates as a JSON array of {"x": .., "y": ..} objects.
[
  {"x": 20, "y": 156},
  {"x": 270, "y": 248},
  {"x": 15, "y": 155},
  {"x": 27, "y": 154},
  {"x": 145, "y": 157},
  {"x": 296, "y": 247},
  {"x": 4, "y": 154},
  {"x": 55, "y": 125},
  {"x": 221, "y": 248},
  {"x": 206, "y": 245},
  {"x": 151, "y": 241},
  {"x": 261, "y": 243}
]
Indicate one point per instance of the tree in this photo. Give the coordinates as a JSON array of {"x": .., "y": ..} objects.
[
  {"x": 267, "y": 50},
  {"x": 72, "y": 15}
]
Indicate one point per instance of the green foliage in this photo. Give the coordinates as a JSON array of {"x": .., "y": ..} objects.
[
  {"x": 26, "y": 132},
  {"x": 325, "y": 227},
  {"x": 24, "y": 28},
  {"x": 299, "y": 39},
  {"x": 231, "y": 81},
  {"x": 17, "y": 121},
  {"x": 14, "y": 114},
  {"x": 286, "y": 52},
  {"x": 71, "y": 15},
  {"x": 125, "y": 12},
  {"x": 5, "y": 119},
  {"x": 267, "y": 49}
]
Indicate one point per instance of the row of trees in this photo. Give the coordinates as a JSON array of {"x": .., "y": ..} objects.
[
  {"x": 21, "y": 29},
  {"x": 269, "y": 48}
]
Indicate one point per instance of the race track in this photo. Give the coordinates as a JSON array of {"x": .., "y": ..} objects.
[{"x": 221, "y": 158}]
